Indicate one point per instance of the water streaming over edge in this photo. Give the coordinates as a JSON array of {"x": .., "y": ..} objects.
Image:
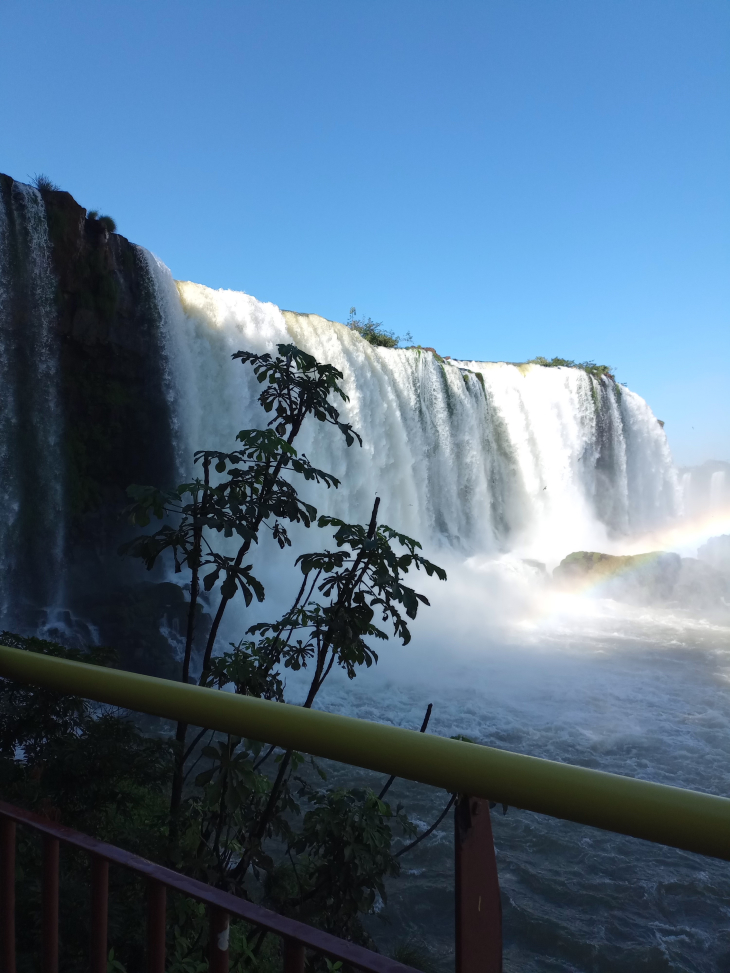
[
  {"x": 478, "y": 457},
  {"x": 31, "y": 457}
]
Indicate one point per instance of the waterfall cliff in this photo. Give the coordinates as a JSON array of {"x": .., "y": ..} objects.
[
  {"x": 83, "y": 410},
  {"x": 31, "y": 487},
  {"x": 112, "y": 373},
  {"x": 480, "y": 457}
]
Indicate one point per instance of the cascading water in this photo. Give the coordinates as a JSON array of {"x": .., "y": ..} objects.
[
  {"x": 476, "y": 457},
  {"x": 706, "y": 489},
  {"x": 31, "y": 467}
]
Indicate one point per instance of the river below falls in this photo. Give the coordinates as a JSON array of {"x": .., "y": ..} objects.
[{"x": 637, "y": 691}]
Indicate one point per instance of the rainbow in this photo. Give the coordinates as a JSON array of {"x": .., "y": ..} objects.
[{"x": 683, "y": 538}]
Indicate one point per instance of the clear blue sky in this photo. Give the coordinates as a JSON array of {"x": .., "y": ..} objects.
[{"x": 503, "y": 178}]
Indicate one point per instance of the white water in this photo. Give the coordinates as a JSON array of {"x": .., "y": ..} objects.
[
  {"x": 523, "y": 459},
  {"x": 718, "y": 489}
]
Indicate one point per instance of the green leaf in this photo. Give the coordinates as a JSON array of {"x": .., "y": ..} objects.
[
  {"x": 228, "y": 588},
  {"x": 210, "y": 579}
]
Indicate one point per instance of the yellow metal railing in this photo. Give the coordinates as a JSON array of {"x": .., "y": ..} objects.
[{"x": 668, "y": 815}]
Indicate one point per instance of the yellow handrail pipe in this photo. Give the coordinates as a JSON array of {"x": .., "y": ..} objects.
[{"x": 656, "y": 812}]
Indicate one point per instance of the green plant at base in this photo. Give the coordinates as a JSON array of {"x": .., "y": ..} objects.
[
  {"x": 363, "y": 576},
  {"x": 344, "y": 856},
  {"x": 89, "y": 768},
  {"x": 416, "y": 954},
  {"x": 113, "y": 965},
  {"x": 240, "y": 808},
  {"x": 255, "y": 492},
  {"x": 218, "y": 807}
]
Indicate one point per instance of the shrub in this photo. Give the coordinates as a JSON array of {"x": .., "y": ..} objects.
[
  {"x": 374, "y": 332},
  {"x": 238, "y": 823},
  {"x": 108, "y": 222},
  {"x": 88, "y": 767},
  {"x": 597, "y": 371},
  {"x": 416, "y": 954},
  {"x": 234, "y": 822},
  {"x": 44, "y": 184}
]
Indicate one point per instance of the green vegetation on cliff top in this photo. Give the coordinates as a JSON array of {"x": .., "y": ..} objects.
[
  {"x": 597, "y": 371},
  {"x": 374, "y": 332}
]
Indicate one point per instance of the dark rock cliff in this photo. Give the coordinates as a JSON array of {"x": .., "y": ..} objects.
[
  {"x": 657, "y": 577},
  {"x": 115, "y": 427},
  {"x": 117, "y": 421}
]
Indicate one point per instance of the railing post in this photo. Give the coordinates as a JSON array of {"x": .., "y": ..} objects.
[
  {"x": 478, "y": 906},
  {"x": 219, "y": 930},
  {"x": 293, "y": 956},
  {"x": 99, "y": 913},
  {"x": 50, "y": 904},
  {"x": 156, "y": 917},
  {"x": 7, "y": 891}
]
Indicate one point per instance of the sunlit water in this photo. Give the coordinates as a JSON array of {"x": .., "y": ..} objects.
[{"x": 643, "y": 693}]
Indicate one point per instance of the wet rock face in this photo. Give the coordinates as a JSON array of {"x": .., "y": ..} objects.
[
  {"x": 117, "y": 422},
  {"x": 146, "y": 623},
  {"x": 640, "y": 577},
  {"x": 658, "y": 577},
  {"x": 97, "y": 372}
]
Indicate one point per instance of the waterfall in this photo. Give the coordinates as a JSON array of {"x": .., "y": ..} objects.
[
  {"x": 476, "y": 457},
  {"x": 717, "y": 489},
  {"x": 706, "y": 489},
  {"x": 31, "y": 458},
  {"x": 8, "y": 485}
]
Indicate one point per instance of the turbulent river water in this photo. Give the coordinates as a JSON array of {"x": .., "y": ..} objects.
[{"x": 502, "y": 470}]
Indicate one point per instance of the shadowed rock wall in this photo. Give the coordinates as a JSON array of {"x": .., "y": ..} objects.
[{"x": 106, "y": 380}]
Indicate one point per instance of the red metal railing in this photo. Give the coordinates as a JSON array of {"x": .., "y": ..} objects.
[
  {"x": 297, "y": 936},
  {"x": 478, "y": 904}
]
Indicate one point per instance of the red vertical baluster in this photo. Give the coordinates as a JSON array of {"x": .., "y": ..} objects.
[
  {"x": 7, "y": 891},
  {"x": 293, "y": 956},
  {"x": 50, "y": 904},
  {"x": 156, "y": 916},
  {"x": 99, "y": 913},
  {"x": 219, "y": 930},
  {"x": 478, "y": 906}
]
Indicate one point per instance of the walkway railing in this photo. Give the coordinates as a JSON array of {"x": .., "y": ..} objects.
[
  {"x": 671, "y": 816},
  {"x": 667, "y": 815},
  {"x": 297, "y": 936}
]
